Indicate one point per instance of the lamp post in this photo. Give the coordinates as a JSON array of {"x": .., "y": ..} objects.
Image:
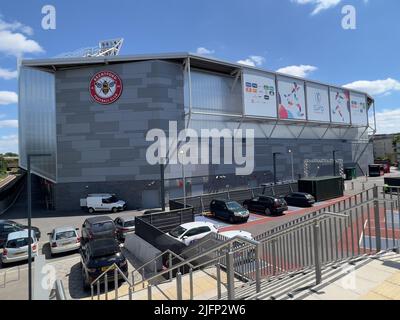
[
  {"x": 181, "y": 153},
  {"x": 274, "y": 164},
  {"x": 162, "y": 182},
  {"x": 291, "y": 160},
  {"x": 29, "y": 157}
]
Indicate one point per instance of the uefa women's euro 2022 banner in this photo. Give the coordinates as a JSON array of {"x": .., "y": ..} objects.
[{"x": 286, "y": 98}]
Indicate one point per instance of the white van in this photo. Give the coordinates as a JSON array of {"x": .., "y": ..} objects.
[{"x": 102, "y": 202}]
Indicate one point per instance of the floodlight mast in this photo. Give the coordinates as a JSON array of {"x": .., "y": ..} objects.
[{"x": 106, "y": 48}]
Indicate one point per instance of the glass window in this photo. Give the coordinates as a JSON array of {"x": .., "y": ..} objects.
[
  {"x": 18, "y": 243},
  {"x": 130, "y": 223},
  {"x": 104, "y": 226},
  {"x": 66, "y": 235},
  {"x": 192, "y": 232},
  {"x": 234, "y": 205},
  {"x": 177, "y": 232}
]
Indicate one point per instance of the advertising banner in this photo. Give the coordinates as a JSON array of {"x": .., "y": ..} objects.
[
  {"x": 259, "y": 95},
  {"x": 317, "y": 102},
  {"x": 291, "y": 99},
  {"x": 358, "y": 103},
  {"x": 340, "y": 106}
]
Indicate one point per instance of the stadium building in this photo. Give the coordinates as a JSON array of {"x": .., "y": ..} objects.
[{"x": 92, "y": 114}]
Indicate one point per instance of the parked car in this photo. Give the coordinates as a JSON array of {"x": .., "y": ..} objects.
[
  {"x": 64, "y": 239},
  {"x": 99, "y": 255},
  {"x": 229, "y": 210},
  {"x": 17, "y": 245},
  {"x": 245, "y": 256},
  {"x": 266, "y": 204},
  {"x": 102, "y": 202},
  {"x": 189, "y": 233},
  {"x": 234, "y": 233},
  {"x": 124, "y": 226},
  {"x": 300, "y": 199},
  {"x": 102, "y": 227},
  {"x": 8, "y": 226}
]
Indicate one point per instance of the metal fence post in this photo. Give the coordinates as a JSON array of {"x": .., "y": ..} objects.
[
  {"x": 218, "y": 266},
  {"x": 191, "y": 283},
  {"x": 179, "y": 286},
  {"x": 106, "y": 285},
  {"x": 116, "y": 283},
  {"x": 170, "y": 266},
  {"x": 230, "y": 275},
  {"x": 258, "y": 269},
  {"x": 317, "y": 253},
  {"x": 377, "y": 221},
  {"x": 273, "y": 256}
]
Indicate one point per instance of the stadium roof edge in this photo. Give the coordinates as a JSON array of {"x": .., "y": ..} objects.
[{"x": 196, "y": 60}]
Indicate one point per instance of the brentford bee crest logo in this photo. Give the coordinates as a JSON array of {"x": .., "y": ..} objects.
[{"x": 106, "y": 87}]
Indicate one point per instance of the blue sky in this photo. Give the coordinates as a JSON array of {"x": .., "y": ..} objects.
[{"x": 301, "y": 37}]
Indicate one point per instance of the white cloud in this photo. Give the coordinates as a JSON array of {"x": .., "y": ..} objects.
[
  {"x": 14, "y": 41},
  {"x": 8, "y": 74},
  {"x": 253, "y": 61},
  {"x": 204, "y": 51},
  {"x": 319, "y": 5},
  {"x": 8, "y": 124},
  {"x": 8, "y": 97},
  {"x": 9, "y": 143},
  {"x": 301, "y": 71},
  {"x": 376, "y": 87},
  {"x": 15, "y": 26},
  {"x": 387, "y": 121}
]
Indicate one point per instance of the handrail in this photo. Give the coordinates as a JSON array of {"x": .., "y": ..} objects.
[
  {"x": 183, "y": 263},
  {"x": 114, "y": 266},
  {"x": 157, "y": 257}
]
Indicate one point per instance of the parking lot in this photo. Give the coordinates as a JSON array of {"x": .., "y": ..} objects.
[{"x": 68, "y": 265}]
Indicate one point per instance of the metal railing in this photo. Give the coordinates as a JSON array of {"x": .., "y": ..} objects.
[
  {"x": 104, "y": 277},
  {"x": 226, "y": 250},
  {"x": 58, "y": 292}
]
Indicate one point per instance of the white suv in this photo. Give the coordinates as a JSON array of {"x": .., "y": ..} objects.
[{"x": 189, "y": 233}]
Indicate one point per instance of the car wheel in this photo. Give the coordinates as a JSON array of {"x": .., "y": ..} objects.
[
  {"x": 231, "y": 220},
  {"x": 114, "y": 210},
  {"x": 91, "y": 210},
  {"x": 267, "y": 211}
]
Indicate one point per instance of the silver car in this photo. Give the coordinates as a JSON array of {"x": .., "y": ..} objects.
[{"x": 16, "y": 247}]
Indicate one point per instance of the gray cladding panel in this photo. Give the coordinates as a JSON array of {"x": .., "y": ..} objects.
[{"x": 105, "y": 143}]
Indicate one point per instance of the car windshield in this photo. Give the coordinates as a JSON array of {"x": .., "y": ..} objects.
[
  {"x": 65, "y": 235},
  {"x": 103, "y": 226},
  {"x": 177, "y": 232},
  {"x": 234, "y": 206},
  {"x": 17, "y": 243},
  {"x": 130, "y": 223}
]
